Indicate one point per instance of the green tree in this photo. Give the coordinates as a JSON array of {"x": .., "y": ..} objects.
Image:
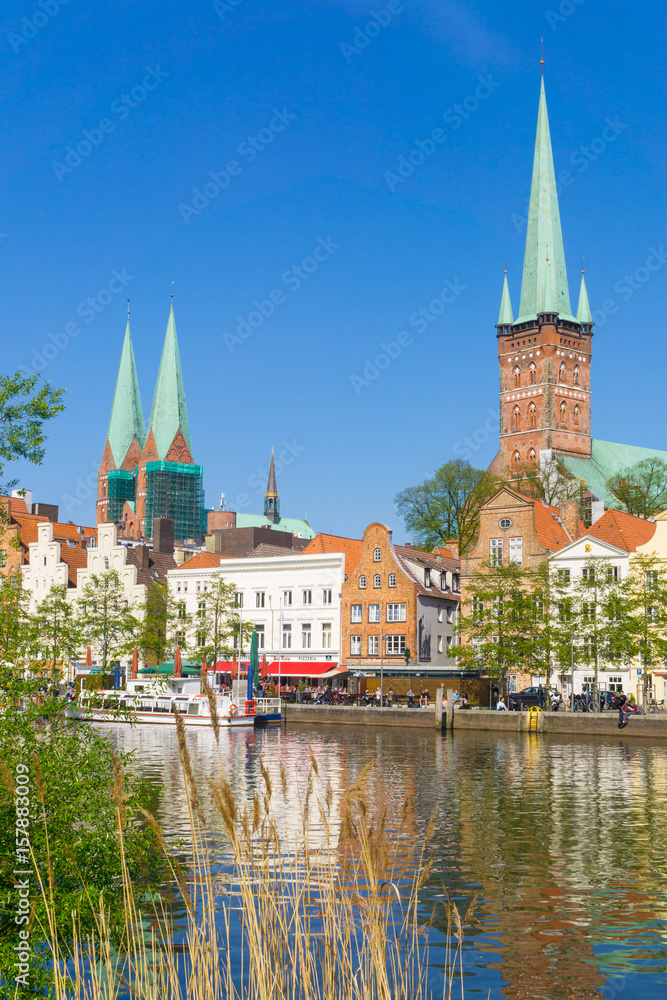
[
  {"x": 547, "y": 480},
  {"x": 645, "y": 619},
  {"x": 15, "y": 624},
  {"x": 215, "y": 625},
  {"x": 641, "y": 488},
  {"x": 24, "y": 409},
  {"x": 54, "y": 630},
  {"x": 163, "y": 622},
  {"x": 446, "y": 505},
  {"x": 498, "y": 618},
  {"x": 104, "y": 617}
]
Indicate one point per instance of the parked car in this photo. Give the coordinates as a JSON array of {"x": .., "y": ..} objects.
[
  {"x": 583, "y": 702},
  {"x": 519, "y": 701}
]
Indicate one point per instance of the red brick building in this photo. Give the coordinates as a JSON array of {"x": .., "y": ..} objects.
[{"x": 399, "y": 608}]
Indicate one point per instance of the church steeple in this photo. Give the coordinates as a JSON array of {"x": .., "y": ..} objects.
[
  {"x": 169, "y": 412},
  {"x": 127, "y": 420},
  {"x": 544, "y": 237},
  {"x": 505, "y": 317},
  {"x": 583, "y": 309},
  {"x": 271, "y": 497}
]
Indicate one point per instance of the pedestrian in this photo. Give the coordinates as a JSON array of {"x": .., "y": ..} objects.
[
  {"x": 501, "y": 706},
  {"x": 623, "y": 709}
]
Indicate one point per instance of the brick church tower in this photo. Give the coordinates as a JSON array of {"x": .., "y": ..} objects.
[
  {"x": 150, "y": 473},
  {"x": 545, "y": 354}
]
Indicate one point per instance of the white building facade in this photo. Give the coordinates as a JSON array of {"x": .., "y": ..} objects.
[
  {"x": 569, "y": 564},
  {"x": 294, "y": 601}
]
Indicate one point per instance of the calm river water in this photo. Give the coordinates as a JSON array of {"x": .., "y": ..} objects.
[{"x": 563, "y": 840}]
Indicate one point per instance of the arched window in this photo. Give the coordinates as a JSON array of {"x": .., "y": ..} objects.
[
  {"x": 575, "y": 416},
  {"x": 516, "y": 419},
  {"x": 362, "y": 583},
  {"x": 377, "y": 555},
  {"x": 532, "y": 415},
  {"x": 563, "y": 414},
  {"x": 517, "y": 377},
  {"x": 516, "y": 457},
  {"x": 377, "y": 580},
  {"x": 531, "y": 455},
  {"x": 562, "y": 373},
  {"x": 575, "y": 375},
  {"x": 392, "y": 580},
  {"x": 106, "y": 563},
  {"x": 533, "y": 374}
]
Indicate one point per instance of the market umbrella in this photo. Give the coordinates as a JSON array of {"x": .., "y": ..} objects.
[
  {"x": 135, "y": 664},
  {"x": 264, "y": 669},
  {"x": 89, "y": 657},
  {"x": 253, "y": 666},
  {"x": 178, "y": 665}
]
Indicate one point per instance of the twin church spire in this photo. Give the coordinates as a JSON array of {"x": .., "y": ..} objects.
[{"x": 544, "y": 285}]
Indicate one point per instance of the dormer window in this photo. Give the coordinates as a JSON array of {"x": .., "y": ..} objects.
[{"x": 427, "y": 577}]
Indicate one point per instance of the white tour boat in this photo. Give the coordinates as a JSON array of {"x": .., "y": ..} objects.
[{"x": 156, "y": 701}]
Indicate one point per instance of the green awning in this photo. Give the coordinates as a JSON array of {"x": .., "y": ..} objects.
[{"x": 190, "y": 669}]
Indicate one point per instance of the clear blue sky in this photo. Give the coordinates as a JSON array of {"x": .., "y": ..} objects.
[{"x": 329, "y": 106}]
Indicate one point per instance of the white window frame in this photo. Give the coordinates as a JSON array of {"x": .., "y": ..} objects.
[
  {"x": 260, "y": 598},
  {"x": 286, "y": 635},
  {"x": 398, "y": 610},
  {"x": 374, "y": 613},
  {"x": 496, "y": 551},
  {"x": 395, "y": 645},
  {"x": 327, "y": 595},
  {"x": 362, "y": 582},
  {"x": 392, "y": 580},
  {"x": 377, "y": 581},
  {"x": 377, "y": 555},
  {"x": 306, "y": 635},
  {"x": 306, "y": 597},
  {"x": 287, "y": 598},
  {"x": 356, "y": 614},
  {"x": 355, "y": 645},
  {"x": 327, "y": 635},
  {"x": 374, "y": 645},
  {"x": 516, "y": 549}
]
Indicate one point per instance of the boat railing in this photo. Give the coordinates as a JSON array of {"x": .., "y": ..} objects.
[{"x": 267, "y": 706}]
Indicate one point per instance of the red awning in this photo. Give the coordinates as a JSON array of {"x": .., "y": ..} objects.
[{"x": 290, "y": 668}]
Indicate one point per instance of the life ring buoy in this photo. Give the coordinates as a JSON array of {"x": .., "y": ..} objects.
[{"x": 233, "y": 710}]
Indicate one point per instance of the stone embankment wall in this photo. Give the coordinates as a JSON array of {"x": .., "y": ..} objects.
[{"x": 351, "y": 715}]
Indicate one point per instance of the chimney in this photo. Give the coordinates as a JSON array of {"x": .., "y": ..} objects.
[
  {"x": 453, "y": 545},
  {"x": 46, "y": 510},
  {"x": 569, "y": 515},
  {"x": 143, "y": 555},
  {"x": 163, "y": 535}
]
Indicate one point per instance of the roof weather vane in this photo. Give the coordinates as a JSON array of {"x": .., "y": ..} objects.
[
  {"x": 582, "y": 264},
  {"x": 172, "y": 289},
  {"x": 542, "y": 54},
  {"x": 128, "y": 308}
]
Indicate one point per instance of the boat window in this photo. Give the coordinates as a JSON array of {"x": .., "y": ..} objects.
[{"x": 193, "y": 709}]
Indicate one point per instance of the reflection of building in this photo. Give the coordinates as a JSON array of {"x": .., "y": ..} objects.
[{"x": 148, "y": 474}]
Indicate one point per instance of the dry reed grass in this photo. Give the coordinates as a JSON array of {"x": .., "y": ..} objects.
[{"x": 331, "y": 912}]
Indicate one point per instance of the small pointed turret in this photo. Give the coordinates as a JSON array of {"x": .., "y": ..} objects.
[
  {"x": 505, "y": 317},
  {"x": 127, "y": 420},
  {"x": 271, "y": 498},
  {"x": 584, "y": 309},
  {"x": 543, "y": 236},
  {"x": 169, "y": 412}
]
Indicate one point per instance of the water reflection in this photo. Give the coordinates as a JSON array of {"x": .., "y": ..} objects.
[{"x": 562, "y": 839}]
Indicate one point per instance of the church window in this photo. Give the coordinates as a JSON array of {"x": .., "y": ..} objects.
[
  {"x": 563, "y": 414},
  {"x": 516, "y": 419},
  {"x": 575, "y": 375},
  {"x": 362, "y": 583},
  {"x": 517, "y": 457},
  {"x": 533, "y": 375},
  {"x": 575, "y": 416},
  {"x": 561, "y": 373},
  {"x": 532, "y": 415},
  {"x": 517, "y": 377},
  {"x": 531, "y": 455}
]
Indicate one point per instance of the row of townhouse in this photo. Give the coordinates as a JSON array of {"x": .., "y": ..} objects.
[
  {"x": 362, "y": 605},
  {"x": 529, "y": 532}
]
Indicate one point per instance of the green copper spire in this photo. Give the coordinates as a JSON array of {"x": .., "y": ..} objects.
[
  {"x": 543, "y": 237},
  {"x": 583, "y": 309},
  {"x": 169, "y": 411},
  {"x": 127, "y": 420},
  {"x": 505, "y": 317}
]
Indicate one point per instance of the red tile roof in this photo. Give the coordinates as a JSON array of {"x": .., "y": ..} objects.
[
  {"x": 550, "y": 532},
  {"x": 622, "y": 530},
  {"x": 75, "y": 559},
  {"x": 350, "y": 547},
  {"x": 203, "y": 560},
  {"x": 61, "y": 532}
]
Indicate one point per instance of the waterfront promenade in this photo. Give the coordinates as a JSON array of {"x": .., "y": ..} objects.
[{"x": 653, "y": 727}]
